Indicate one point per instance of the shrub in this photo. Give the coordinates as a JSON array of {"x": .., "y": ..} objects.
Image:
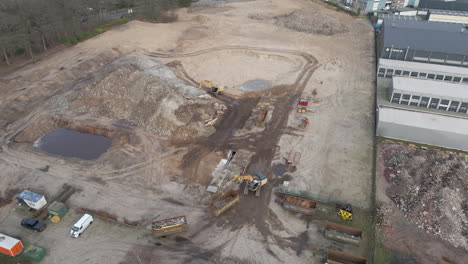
[
  {"x": 80, "y": 36},
  {"x": 20, "y": 51},
  {"x": 184, "y": 3}
]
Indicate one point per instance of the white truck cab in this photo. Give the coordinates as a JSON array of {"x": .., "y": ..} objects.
[{"x": 80, "y": 226}]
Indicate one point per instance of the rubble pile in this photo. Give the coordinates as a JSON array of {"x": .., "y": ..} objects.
[
  {"x": 431, "y": 188},
  {"x": 148, "y": 93},
  {"x": 311, "y": 21}
]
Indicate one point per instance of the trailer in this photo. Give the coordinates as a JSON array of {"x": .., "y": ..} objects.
[
  {"x": 223, "y": 203},
  {"x": 169, "y": 226},
  {"x": 34, "y": 200},
  {"x": 10, "y": 246},
  {"x": 299, "y": 204},
  {"x": 339, "y": 257},
  {"x": 343, "y": 233}
]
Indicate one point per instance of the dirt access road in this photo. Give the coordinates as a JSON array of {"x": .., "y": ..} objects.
[{"x": 137, "y": 84}]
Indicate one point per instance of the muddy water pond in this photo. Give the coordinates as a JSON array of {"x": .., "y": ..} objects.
[{"x": 69, "y": 143}]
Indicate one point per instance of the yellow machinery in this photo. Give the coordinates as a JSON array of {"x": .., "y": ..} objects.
[
  {"x": 346, "y": 212},
  {"x": 254, "y": 183},
  {"x": 213, "y": 87},
  {"x": 302, "y": 110}
]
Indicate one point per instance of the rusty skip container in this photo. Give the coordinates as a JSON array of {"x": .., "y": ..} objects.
[
  {"x": 339, "y": 257},
  {"x": 223, "y": 203},
  {"x": 343, "y": 233},
  {"x": 169, "y": 226},
  {"x": 299, "y": 205}
]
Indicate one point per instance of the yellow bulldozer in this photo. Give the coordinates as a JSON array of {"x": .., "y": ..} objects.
[{"x": 215, "y": 89}]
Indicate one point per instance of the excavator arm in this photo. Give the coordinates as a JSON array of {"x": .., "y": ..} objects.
[{"x": 208, "y": 83}]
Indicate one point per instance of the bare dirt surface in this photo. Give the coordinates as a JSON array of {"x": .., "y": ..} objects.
[
  {"x": 138, "y": 85},
  {"x": 422, "y": 198}
]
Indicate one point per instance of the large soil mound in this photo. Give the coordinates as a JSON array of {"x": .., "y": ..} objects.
[
  {"x": 312, "y": 21},
  {"x": 147, "y": 93}
]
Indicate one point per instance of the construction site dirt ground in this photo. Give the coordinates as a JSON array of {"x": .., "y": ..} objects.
[{"x": 138, "y": 85}]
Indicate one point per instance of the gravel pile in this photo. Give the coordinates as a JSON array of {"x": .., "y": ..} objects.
[
  {"x": 431, "y": 188},
  {"x": 311, "y": 21}
]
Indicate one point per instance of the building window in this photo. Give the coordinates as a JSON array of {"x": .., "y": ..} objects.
[
  {"x": 444, "y": 104},
  {"x": 396, "y": 98},
  {"x": 454, "y": 106},
  {"x": 456, "y": 79},
  {"x": 381, "y": 72},
  {"x": 405, "y": 99},
  {"x": 434, "y": 103},
  {"x": 406, "y": 73},
  {"x": 431, "y": 76},
  {"x": 439, "y": 77},
  {"x": 463, "y": 108},
  {"x": 397, "y": 72},
  {"x": 415, "y": 100},
  {"x": 465, "y": 80},
  {"x": 389, "y": 73},
  {"x": 448, "y": 78},
  {"x": 424, "y": 102},
  {"x": 414, "y": 74},
  {"x": 422, "y": 75}
]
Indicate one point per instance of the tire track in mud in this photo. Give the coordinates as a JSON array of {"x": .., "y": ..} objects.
[{"x": 254, "y": 211}]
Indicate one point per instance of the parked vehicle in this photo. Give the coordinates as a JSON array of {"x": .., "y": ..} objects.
[
  {"x": 34, "y": 224},
  {"x": 80, "y": 226}
]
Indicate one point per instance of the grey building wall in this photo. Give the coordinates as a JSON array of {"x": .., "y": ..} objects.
[{"x": 425, "y": 128}]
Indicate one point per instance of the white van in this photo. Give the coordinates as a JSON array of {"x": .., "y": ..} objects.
[{"x": 80, "y": 226}]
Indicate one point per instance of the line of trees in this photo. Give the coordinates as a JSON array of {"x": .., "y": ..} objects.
[{"x": 29, "y": 27}]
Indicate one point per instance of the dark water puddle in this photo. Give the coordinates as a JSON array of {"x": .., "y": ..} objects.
[{"x": 69, "y": 143}]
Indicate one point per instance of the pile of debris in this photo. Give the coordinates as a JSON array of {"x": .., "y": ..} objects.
[
  {"x": 140, "y": 89},
  {"x": 311, "y": 21},
  {"x": 431, "y": 188},
  {"x": 178, "y": 220}
]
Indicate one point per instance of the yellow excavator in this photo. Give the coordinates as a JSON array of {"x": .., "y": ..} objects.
[
  {"x": 254, "y": 183},
  {"x": 213, "y": 87}
]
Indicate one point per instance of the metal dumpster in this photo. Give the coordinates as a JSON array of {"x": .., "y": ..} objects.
[
  {"x": 299, "y": 204},
  {"x": 343, "y": 233},
  {"x": 169, "y": 226},
  {"x": 339, "y": 257},
  {"x": 223, "y": 203}
]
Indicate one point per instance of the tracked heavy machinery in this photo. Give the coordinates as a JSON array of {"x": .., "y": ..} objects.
[
  {"x": 213, "y": 87},
  {"x": 346, "y": 212},
  {"x": 254, "y": 183}
]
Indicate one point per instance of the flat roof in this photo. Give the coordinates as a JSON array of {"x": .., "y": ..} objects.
[
  {"x": 425, "y": 35},
  {"x": 7, "y": 241},
  {"x": 423, "y": 67},
  {"x": 439, "y": 89},
  {"x": 29, "y": 196}
]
